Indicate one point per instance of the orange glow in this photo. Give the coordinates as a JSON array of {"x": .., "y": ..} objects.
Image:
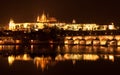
[
  {"x": 1, "y": 42},
  {"x": 90, "y": 57},
  {"x": 66, "y": 41},
  {"x": 74, "y": 62},
  {"x": 82, "y": 42},
  {"x": 111, "y": 27},
  {"x": 17, "y": 41},
  {"x": 42, "y": 62},
  {"x": 24, "y": 57},
  {"x": 1, "y": 47},
  {"x": 74, "y": 21},
  {"x": 96, "y": 42},
  {"x": 76, "y": 41},
  {"x": 32, "y": 41},
  {"x": 117, "y": 37},
  {"x": 11, "y": 25},
  {"x": 103, "y": 42},
  {"x": 50, "y": 41},
  {"x": 67, "y": 37},
  {"x": 109, "y": 37},
  {"x": 87, "y": 37},
  {"x": 59, "y": 57},
  {"x": 40, "y": 25},
  {"x": 118, "y": 49},
  {"x": 17, "y": 47},
  {"x": 75, "y": 37},
  {"x": 111, "y": 57},
  {"x": 25, "y": 25},
  {"x": 38, "y": 18},
  {"x": 103, "y": 48},
  {"x": 66, "y": 48},
  {"x": 11, "y": 59},
  {"x": 31, "y": 47},
  {"x": 70, "y": 41},
  {"x": 118, "y": 42},
  {"x": 105, "y": 57},
  {"x": 88, "y": 42}
]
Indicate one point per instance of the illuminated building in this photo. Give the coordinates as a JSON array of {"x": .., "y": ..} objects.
[
  {"x": 51, "y": 21},
  {"x": 39, "y": 24},
  {"x": 96, "y": 34}
]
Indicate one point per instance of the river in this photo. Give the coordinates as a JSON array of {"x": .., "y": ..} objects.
[{"x": 48, "y": 59}]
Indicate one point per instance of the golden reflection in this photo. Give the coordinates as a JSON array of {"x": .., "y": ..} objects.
[
  {"x": 92, "y": 57},
  {"x": 74, "y": 62},
  {"x": 24, "y": 57},
  {"x": 42, "y": 62},
  {"x": 11, "y": 59}
]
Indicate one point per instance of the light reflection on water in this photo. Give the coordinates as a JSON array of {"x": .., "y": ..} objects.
[
  {"x": 46, "y": 56},
  {"x": 43, "y": 62}
]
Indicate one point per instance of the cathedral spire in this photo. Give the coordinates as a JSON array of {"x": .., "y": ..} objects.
[
  {"x": 43, "y": 17},
  {"x": 11, "y": 24},
  {"x": 38, "y": 19}
]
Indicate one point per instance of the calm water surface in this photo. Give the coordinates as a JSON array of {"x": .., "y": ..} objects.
[{"x": 59, "y": 60}]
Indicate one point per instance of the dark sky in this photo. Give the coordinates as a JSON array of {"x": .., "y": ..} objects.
[{"x": 84, "y": 11}]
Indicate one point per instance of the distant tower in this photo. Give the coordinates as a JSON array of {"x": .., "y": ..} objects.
[
  {"x": 74, "y": 21},
  {"x": 11, "y": 24},
  {"x": 112, "y": 23},
  {"x": 38, "y": 19},
  {"x": 43, "y": 18}
]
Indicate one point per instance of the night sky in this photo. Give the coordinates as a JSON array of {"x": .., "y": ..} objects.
[{"x": 84, "y": 11}]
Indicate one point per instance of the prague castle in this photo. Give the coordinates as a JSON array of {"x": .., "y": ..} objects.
[{"x": 44, "y": 20}]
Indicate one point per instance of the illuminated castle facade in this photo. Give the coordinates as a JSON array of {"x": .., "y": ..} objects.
[
  {"x": 39, "y": 24},
  {"x": 51, "y": 21}
]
